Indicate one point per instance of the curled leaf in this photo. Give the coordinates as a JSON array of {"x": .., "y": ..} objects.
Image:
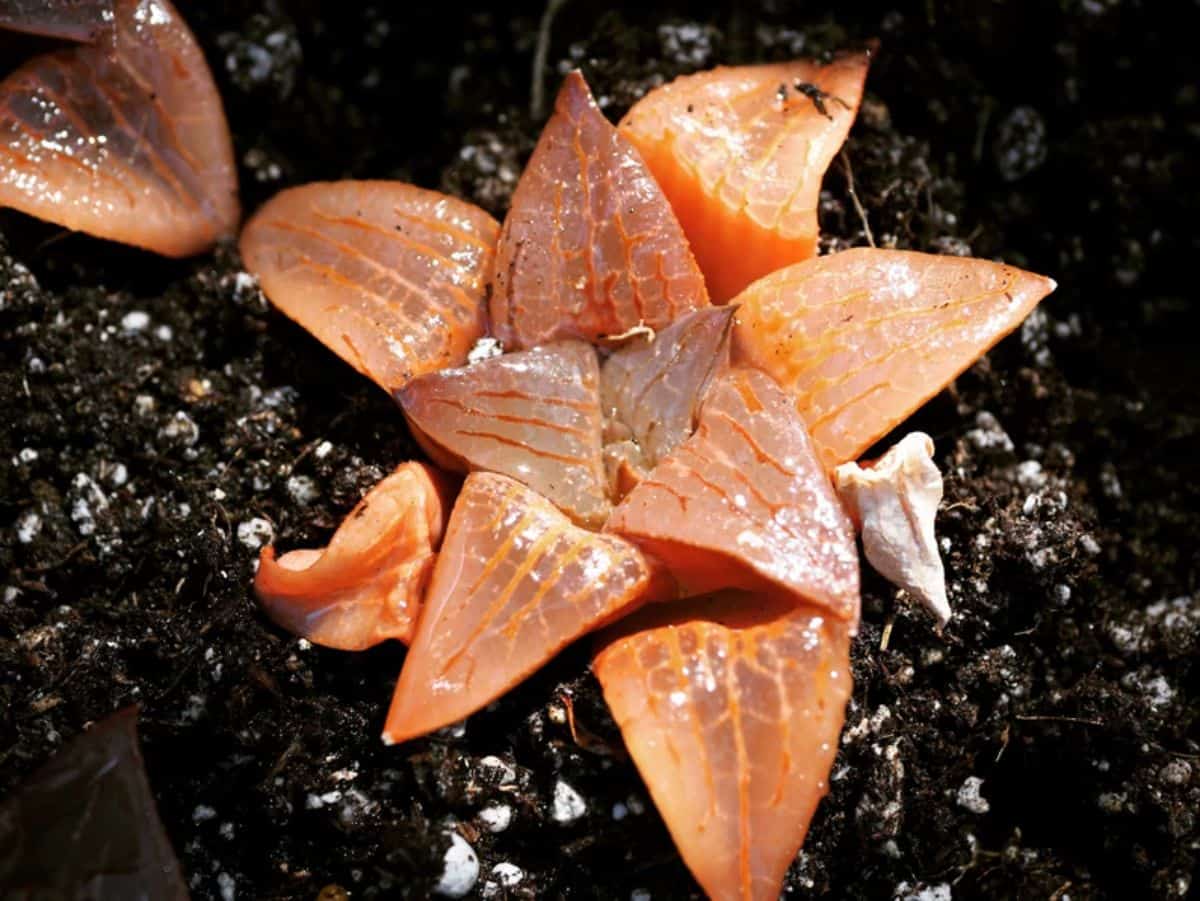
[
  {"x": 367, "y": 585},
  {"x": 651, "y": 389}
]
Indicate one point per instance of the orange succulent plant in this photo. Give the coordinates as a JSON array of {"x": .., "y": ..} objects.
[
  {"x": 637, "y": 450},
  {"x": 640, "y": 463}
]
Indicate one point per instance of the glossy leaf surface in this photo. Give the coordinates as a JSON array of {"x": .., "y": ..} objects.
[
  {"x": 515, "y": 583},
  {"x": 388, "y": 276},
  {"x": 741, "y": 153},
  {"x": 731, "y": 707},
  {"x": 864, "y": 337},
  {"x": 590, "y": 248},
  {"x": 124, "y": 139},
  {"x": 367, "y": 585}
]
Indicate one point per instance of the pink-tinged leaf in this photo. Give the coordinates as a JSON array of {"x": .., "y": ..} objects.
[
  {"x": 388, "y": 276},
  {"x": 72, "y": 20},
  {"x": 367, "y": 585},
  {"x": 863, "y": 338},
  {"x": 590, "y": 248},
  {"x": 744, "y": 503},
  {"x": 651, "y": 389},
  {"x": 731, "y": 706},
  {"x": 533, "y": 415},
  {"x": 124, "y": 139},
  {"x": 515, "y": 582},
  {"x": 740, "y": 152}
]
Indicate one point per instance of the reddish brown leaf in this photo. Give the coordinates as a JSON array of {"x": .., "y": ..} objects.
[
  {"x": 590, "y": 248},
  {"x": 515, "y": 583},
  {"x": 862, "y": 338},
  {"x": 532, "y": 415},
  {"x": 744, "y": 503},
  {"x": 731, "y": 707},
  {"x": 388, "y": 276},
  {"x": 123, "y": 139},
  {"x": 740, "y": 153}
]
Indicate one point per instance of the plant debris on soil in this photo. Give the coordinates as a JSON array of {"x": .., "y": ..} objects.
[{"x": 162, "y": 424}]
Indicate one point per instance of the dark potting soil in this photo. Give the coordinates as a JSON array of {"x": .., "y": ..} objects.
[{"x": 161, "y": 422}]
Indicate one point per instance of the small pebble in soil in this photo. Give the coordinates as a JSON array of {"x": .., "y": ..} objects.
[
  {"x": 181, "y": 429},
  {"x": 507, "y": 874},
  {"x": 939, "y": 892},
  {"x": 255, "y": 532},
  {"x": 568, "y": 805},
  {"x": 135, "y": 321},
  {"x": 1020, "y": 146},
  {"x": 460, "y": 869},
  {"x": 316, "y": 802},
  {"x": 969, "y": 797},
  {"x": 988, "y": 435},
  {"x": 498, "y": 769},
  {"x": 495, "y": 817},
  {"x": 302, "y": 489},
  {"x": 29, "y": 525}
]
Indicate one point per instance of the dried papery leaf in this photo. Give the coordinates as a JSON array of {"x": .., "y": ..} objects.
[
  {"x": 894, "y": 500},
  {"x": 653, "y": 387},
  {"x": 515, "y": 582},
  {"x": 388, "y": 276},
  {"x": 85, "y": 824},
  {"x": 532, "y": 415},
  {"x": 590, "y": 247},
  {"x": 731, "y": 706},
  {"x": 72, "y": 20},
  {"x": 124, "y": 139},
  {"x": 740, "y": 152},
  {"x": 367, "y": 585},
  {"x": 862, "y": 338},
  {"x": 744, "y": 503}
]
